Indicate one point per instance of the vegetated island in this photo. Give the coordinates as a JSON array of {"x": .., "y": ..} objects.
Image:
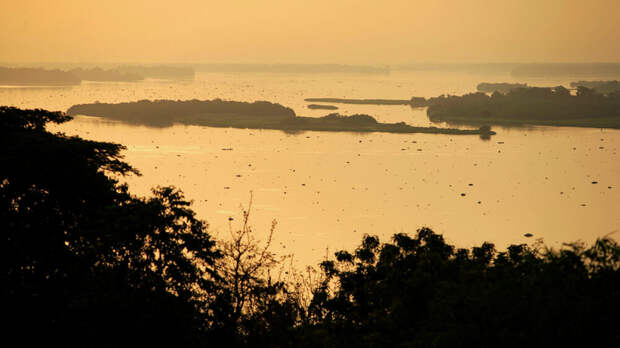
[
  {"x": 257, "y": 115},
  {"x": 322, "y": 107},
  {"x": 37, "y": 77},
  {"x": 554, "y": 106},
  {"x": 603, "y": 87},
  {"x": 502, "y": 87}
]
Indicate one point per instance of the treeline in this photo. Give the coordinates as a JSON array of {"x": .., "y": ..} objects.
[
  {"x": 503, "y": 87},
  {"x": 413, "y": 102},
  {"x": 36, "y": 76},
  {"x": 89, "y": 264},
  {"x": 322, "y": 107},
  {"x": 603, "y": 87},
  {"x": 40, "y": 76},
  {"x": 532, "y": 105},
  {"x": 360, "y": 101},
  {"x": 164, "y": 113},
  {"x": 259, "y": 115}
]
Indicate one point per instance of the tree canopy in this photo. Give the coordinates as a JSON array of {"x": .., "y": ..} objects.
[{"x": 90, "y": 264}]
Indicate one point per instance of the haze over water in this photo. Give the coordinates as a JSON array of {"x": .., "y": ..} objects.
[{"x": 327, "y": 189}]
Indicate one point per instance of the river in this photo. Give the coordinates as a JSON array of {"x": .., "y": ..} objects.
[{"x": 327, "y": 189}]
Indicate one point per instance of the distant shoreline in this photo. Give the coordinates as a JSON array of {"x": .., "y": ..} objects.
[{"x": 75, "y": 76}]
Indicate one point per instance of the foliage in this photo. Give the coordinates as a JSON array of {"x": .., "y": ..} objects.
[
  {"x": 504, "y": 87},
  {"x": 423, "y": 292},
  {"x": 37, "y": 76},
  {"x": 255, "y": 302},
  {"x": 603, "y": 87},
  {"x": 533, "y": 105},
  {"x": 87, "y": 260},
  {"x": 164, "y": 113},
  {"x": 89, "y": 264}
]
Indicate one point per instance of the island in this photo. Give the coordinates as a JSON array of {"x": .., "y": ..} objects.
[
  {"x": 256, "y": 115},
  {"x": 555, "y": 106},
  {"x": 361, "y": 101},
  {"x": 603, "y": 87},
  {"x": 503, "y": 87},
  {"x": 322, "y": 107},
  {"x": 414, "y": 102},
  {"x": 37, "y": 77}
]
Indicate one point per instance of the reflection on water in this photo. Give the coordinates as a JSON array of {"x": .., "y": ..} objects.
[{"x": 328, "y": 189}]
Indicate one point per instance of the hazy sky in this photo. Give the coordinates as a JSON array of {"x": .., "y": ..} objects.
[{"x": 310, "y": 31}]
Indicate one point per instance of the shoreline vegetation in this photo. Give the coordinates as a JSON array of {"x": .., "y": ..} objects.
[
  {"x": 75, "y": 76},
  {"x": 502, "y": 87},
  {"x": 322, "y": 107},
  {"x": 256, "y": 115},
  {"x": 36, "y": 76},
  {"x": 603, "y": 87},
  {"x": 360, "y": 101},
  {"x": 553, "y": 106},
  {"x": 414, "y": 102},
  {"x": 515, "y": 104}
]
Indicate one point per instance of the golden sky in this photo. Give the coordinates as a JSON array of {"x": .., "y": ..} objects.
[{"x": 310, "y": 31}]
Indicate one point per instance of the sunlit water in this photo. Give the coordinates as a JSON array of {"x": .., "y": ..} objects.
[{"x": 326, "y": 190}]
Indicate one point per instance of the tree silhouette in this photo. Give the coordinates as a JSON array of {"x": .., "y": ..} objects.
[{"x": 88, "y": 263}]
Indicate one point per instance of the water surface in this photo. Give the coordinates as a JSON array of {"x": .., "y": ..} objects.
[{"x": 328, "y": 189}]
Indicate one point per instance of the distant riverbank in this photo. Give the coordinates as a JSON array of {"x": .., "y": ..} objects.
[{"x": 56, "y": 77}]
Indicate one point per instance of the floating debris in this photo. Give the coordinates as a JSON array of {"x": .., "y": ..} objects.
[{"x": 462, "y": 195}]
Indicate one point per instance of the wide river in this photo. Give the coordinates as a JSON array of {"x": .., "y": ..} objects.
[{"x": 326, "y": 189}]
